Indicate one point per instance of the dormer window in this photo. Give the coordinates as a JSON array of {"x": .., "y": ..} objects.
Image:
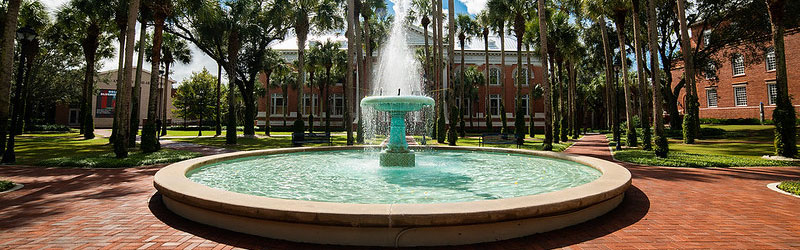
[{"x": 492, "y": 44}]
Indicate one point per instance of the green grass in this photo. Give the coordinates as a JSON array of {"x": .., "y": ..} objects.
[
  {"x": 6, "y": 185},
  {"x": 341, "y": 140},
  {"x": 792, "y": 187},
  {"x": 691, "y": 160},
  {"x": 71, "y": 150}
]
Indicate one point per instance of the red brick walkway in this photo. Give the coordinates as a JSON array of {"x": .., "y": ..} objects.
[{"x": 665, "y": 208}]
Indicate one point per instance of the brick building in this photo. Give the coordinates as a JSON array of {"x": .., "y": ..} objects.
[
  {"x": 736, "y": 88},
  {"x": 104, "y": 102},
  {"x": 499, "y": 91}
]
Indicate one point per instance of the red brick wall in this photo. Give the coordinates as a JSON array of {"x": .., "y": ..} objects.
[{"x": 755, "y": 79}]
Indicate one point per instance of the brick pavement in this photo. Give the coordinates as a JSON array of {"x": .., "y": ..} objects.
[{"x": 665, "y": 208}]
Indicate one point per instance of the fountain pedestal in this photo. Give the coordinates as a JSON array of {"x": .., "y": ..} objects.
[{"x": 397, "y": 153}]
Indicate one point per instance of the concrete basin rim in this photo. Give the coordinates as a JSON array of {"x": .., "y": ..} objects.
[{"x": 171, "y": 181}]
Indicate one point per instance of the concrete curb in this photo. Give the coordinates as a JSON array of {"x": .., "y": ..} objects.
[{"x": 774, "y": 187}]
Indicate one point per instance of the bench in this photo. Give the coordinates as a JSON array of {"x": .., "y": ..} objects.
[
  {"x": 298, "y": 139},
  {"x": 496, "y": 138}
]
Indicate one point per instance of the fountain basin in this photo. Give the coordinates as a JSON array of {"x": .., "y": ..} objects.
[
  {"x": 397, "y": 103},
  {"x": 410, "y": 224}
]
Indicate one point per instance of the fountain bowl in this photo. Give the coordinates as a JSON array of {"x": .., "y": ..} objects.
[
  {"x": 405, "y": 103},
  {"x": 391, "y": 225}
]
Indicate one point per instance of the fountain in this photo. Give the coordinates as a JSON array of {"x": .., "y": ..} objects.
[
  {"x": 349, "y": 195},
  {"x": 397, "y": 153}
]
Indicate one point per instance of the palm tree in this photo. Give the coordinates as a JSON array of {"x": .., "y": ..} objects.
[
  {"x": 454, "y": 112},
  {"x": 784, "y": 114},
  {"x": 90, "y": 19},
  {"x": 519, "y": 11},
  {"x": 272, "y": 61},
  {"x": 499, "y": 13},
  {"x": 144, "y": 17},
  {"x": 548, "y": 115},
  {"x": 661, "y": 148},
  {"x": 595, "y": 9},
  {"x": 691, "y": 119},
  {"x": 620, "y": 10},
  {"x": 6, "y": 65},
  {"x": 124, "y": 90},
  {"x": 351, "y": 67},
  {"x": 161, "y": 9},
  {"x": 422, "y": 9},
  {"x": 467, "y": 28},
  {"x": 121, "y": 20},
  {"x": 638, "y": 47},
  {"x": 173, "y": 49},
  {"x": 485, "y": 22}
]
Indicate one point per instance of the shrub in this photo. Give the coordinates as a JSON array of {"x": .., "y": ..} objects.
[
  {"x": 738, "y": 121},
  {"x": 675, "y": 159},
  {"x": 48, "y": 128},
  {"x": 109, "y": 161},
  {"x": 792, "y": 187},
  {"x": 6, "y": 185}
]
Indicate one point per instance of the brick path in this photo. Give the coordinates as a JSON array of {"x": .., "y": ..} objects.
[{"x": 665, "y": 208}]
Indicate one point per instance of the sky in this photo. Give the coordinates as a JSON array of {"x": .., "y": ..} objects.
[{"x": 200, "y": 60}]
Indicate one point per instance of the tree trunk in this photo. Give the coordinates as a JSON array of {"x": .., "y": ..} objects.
[
  {"x": 644, "y": 116},
  {"x": 327, "y": 102},
  {"x": 218, "y": 117},
  {"x": 691, "y": 119},
  {"x": 267, "y": 103},
  {"x": 619, "y": 21},
  {"x": 150, "y": 141},
  {"x": 461, "y": 105},
  {"x": 503, "y": 76},
  {"x": 488, "y": 112},
  {"x": 532, "y": 115},
  {"x": 784, "y": 114},
  {"x": 556, "y": 87},
  {"x": 165, "y": 92},
  {"x": 562, "y": 87},
  {"x": 234, "y": 44},
  {"x": 137, "y": 88},
  {"x": 351, "y": 68},
  {"x": 124, "y": 91},
  {"x": 7, "y": 66},
  {"x": 120, "y": 81},
  {"x": 519, "y": 117},
  {"x": 661, "y": 148},
  {"x": 454, "y": 111},
  {"x": 548, "y": 115}
]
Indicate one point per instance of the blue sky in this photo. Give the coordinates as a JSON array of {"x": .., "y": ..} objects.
[{"x": 460, "y": 6}]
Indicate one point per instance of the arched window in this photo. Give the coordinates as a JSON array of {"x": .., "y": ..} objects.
[
  {"x": 524, "y": 76},
  {"x": 494, "y": 76}
]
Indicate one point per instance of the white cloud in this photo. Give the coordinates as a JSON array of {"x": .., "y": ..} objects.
[{"x": 474, "y": 6}]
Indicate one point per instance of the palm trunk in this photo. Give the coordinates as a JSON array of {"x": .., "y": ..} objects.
[
  {"x": 548, "y": 115},
  {"x": 218, "y": 117},
  {"x": 165, "y": 92},
  {"x": 351, "y": 68},
  {"x": 326, "y": 102},
  {"x": 7, "y": 66},
  {"x": 150, "y": 141},
  {"x": 234, "y": 44},
  {"x": 661, "y": 148},
  {"x": 426, "y": 67},
  {"x": 462, "y": 131},
  {"x": 532, "y": 116},
  {"x": 784, "y": 114},
  {"x": 120, "y": 80},
  {"x": 486, "y": 75},
  {"x": 268, "y": 103},
  {"x": 454, "y": 112},
  {"x": 124, "y": 91},
  {"x": 137, "y": 88},
  {"x": 690, "y": 121},
  {"x": 644, "y": 116},
  {"x": 503, "y": 78},
  {"x": 562, "y": 89},
  {"x": 554, "y": 97},
  {"x": 619, "y": 20},
  {"x": 610, "y": 84},
  {"x": 519, "y": 117}
]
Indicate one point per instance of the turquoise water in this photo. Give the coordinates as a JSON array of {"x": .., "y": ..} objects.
[{"x": 354, "y": 176}]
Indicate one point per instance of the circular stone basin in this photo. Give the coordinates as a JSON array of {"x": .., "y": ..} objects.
[{"x": 340, "y": 195}]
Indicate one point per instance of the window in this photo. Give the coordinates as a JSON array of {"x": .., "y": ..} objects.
[
  {"x": 711, "y": 71},
  {"x": 524, "y": 77},
  {"x": 310, "y": 103},
  {"x": 770, "y": 61},
  {"x": 737, "y": 63},
  {"x": 772, "y": 92},
  {"x": 711, "y": 97},
  {"x": 494, "y": 76},
  {"x": 525, "y": 105},
  {"x": 494, "y": 104},
  {"x": 277, "y": 105},
  {"x": 338, "y": 105},
  {"x": 706, "y": 37},
  {"x": 740, "y": 95}
]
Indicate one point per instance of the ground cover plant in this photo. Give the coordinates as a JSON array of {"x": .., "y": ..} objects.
[
  {"x": 6, "y": 185},
  {"x": 792, "y": 187}
]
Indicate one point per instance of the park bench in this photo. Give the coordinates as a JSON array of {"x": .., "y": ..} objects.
[
  {"x": 298, "y": 139},
  {"x": 496, "y": 138}
]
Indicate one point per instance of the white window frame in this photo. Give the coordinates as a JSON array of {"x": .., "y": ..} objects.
[
  {"x": 706, "y": 37},
  {"x": 496, "y": 82},
  {"x": 737, "y": 65},
  {"x": 525, "y": 76},
  {"x": 771, "y": 60},
  {"x": 772, "y": 93},
  {"x": 336, "y": 107},
  {"x": 736, "y": 93},
  {"x": 467, "y": 105},
  {"x": 313, "y": 106},
  {"x": 710, "y": 100},
  {"x": 711, "y": 71},
  {"x": 525, "y": 104},
  {"x": 274, "y": 104},
  {"x": 495, "y": 110}
]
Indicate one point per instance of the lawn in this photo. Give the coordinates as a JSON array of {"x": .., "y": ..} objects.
[
  {"x": 341, "y": 140},
  {"x": 71, "y": 150},
  {"x": 728, "y": 146}
]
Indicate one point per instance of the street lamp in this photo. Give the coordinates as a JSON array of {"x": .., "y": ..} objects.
[
  {"x": 27, "y": 37},
  {"x": 201, "y": 96}
]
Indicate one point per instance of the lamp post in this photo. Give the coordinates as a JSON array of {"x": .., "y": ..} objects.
[
  {"x": 201, "y": 109},
  {"x": 158, "y": 104},
  {"x": 27, "y": 37}
]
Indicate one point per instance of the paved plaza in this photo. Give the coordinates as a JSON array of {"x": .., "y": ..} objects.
[{"x": 665, "y": 208}]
